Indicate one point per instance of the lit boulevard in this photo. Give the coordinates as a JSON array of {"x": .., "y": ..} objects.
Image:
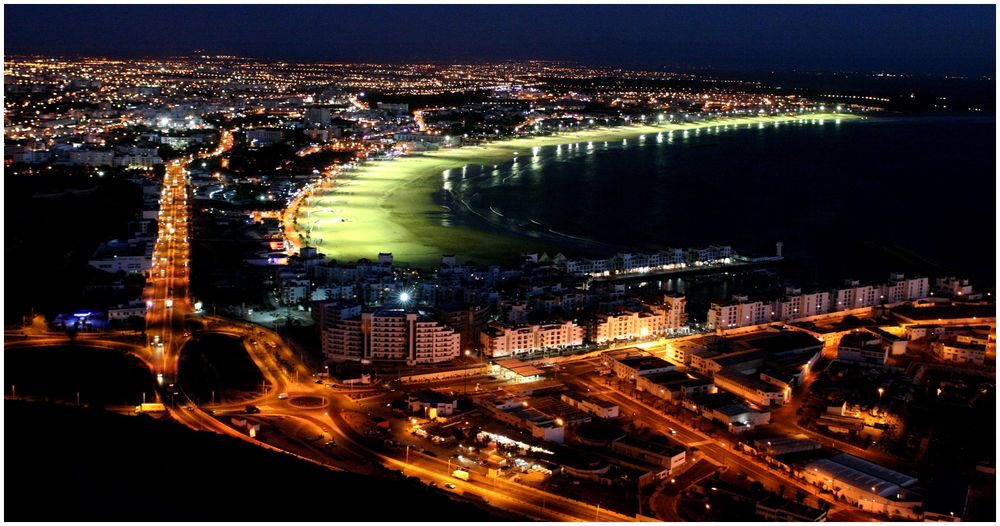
[{"x": 167, "y": 296}]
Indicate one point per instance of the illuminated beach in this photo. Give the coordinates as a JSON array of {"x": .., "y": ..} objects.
[{"x": 389, "y": 206}]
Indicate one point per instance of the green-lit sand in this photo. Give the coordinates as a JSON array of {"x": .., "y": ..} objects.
[{"x": 388, "y": 206}]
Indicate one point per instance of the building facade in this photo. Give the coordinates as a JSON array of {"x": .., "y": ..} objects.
[
  {"x": 500, "y": 341},
  {"x": 391, "y": 335}
]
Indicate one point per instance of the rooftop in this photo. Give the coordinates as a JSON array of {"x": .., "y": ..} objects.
[
  {"x": 646, "y": 363},
  {"x": 780, "y": 342},
  {"x": 779, "y": 503},
  {"x": 677, "y": 379},
  {"x": 748, "y": 380},
  {"x": 945, "y": 312},
  {"x": 668, "y": 450}
]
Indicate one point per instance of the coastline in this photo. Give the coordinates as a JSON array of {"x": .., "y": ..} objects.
[{"x": 392, "y": 206}]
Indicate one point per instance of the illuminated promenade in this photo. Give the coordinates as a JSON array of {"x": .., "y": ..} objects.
[{"x": 389, "y": 207}]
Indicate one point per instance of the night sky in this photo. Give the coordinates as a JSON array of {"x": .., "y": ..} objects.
[{"x": 916, "y": 39}]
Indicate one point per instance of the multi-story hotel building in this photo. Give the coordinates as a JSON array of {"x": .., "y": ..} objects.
[
  {"x": 742, "y": 313},
  {"x": 390, "y": 335},
  {"x": 499, "y": 341}
]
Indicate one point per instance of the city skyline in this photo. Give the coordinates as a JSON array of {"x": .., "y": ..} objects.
[
  {"x": 938, "y": 39},
  {"x": 500, "y": 263}
]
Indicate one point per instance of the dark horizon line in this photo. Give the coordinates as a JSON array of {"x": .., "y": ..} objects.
[{"x": 455, "y": 61}]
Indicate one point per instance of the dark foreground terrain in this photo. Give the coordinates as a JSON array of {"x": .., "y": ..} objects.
[{"x": 65, "y": 463}]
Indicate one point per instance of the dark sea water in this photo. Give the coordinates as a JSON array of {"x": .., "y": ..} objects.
[{"x": 855, "y": 199}]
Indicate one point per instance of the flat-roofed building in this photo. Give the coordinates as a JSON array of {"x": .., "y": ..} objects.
[
  {"x": 777, "y": 509},
  {"x": 630, "y": 325},
  {"x": 633, "y": 362},
  {"x": 391, "y": 335},
  {"x": 853, "y": 295},
  {"x": 956, "y": 350},
  {"x": 867, "y": 485},
  {"x": 953, "y": 287},
  {"x": 123, "y": 312},
  {"x": 595, "y": 406},
  {"x": 500, "y": 341},
  {"x": 680, "y": 350},
  {"x": 516, "y": 370},
  {"x": 128, "y": 257},
  {"x": 796, "y": 305},
  {"x": 675, "y": 385},
  {"x": 741, "y": 312},
  {"x": 669, "y": 456},
  {"x": 263, "y": 137},
  {"x": 864, "y": 348},
  {"x": 432, "y": 403},
  {"x": 773, "y": 447},
  {"x": 519, "y": 413},
  {"x": 783, "y": 351},
  {"x": 899, "y": 288},
  {"x": 751, "y": 388},
  {"x": 739, "y": 417},
  {"x": 945, "y": 314}
]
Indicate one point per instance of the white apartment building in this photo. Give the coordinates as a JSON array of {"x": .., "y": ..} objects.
[
  {"x": 431, "y": 342},
  {"x": 854, "y": 296},
  {"x": 390, "y": 335},
  {"x": 675, "y": 312},
  {"x": 500, "y": 341},
  {"x": 263, "y": 136},
  {"x": 92, "y": 158},
  {"x": 742, "y": 313},
  {"x": 960, "y": 351},
  {"x": 587, "y": 266},
  {"x": 630, "y": 325},
  {"x": 712, "y": 254},
  {"x": 130, "y": 264},
  {"x": 752, "y": 388},
  {"x": 177, "y": 143},
  {"x": 797, "y": 305},
  {"x": 318, "y": 115},
  {"x": 954, "y": 288},
  {"x": 132, "y": 257},
  {"x": 141, "y": 161},
  {"x": 124, "y": 312},
  {"x": 342, "y": 340},
  {"x": 900, "y": 289}
]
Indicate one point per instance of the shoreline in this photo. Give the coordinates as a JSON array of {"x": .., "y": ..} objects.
[{"x": 393, "y": 206}]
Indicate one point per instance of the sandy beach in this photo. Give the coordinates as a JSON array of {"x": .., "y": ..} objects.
[{"x": 389, "y": 206}]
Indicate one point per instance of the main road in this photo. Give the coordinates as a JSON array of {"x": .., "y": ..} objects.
[{"x": 167, "y": 294}]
